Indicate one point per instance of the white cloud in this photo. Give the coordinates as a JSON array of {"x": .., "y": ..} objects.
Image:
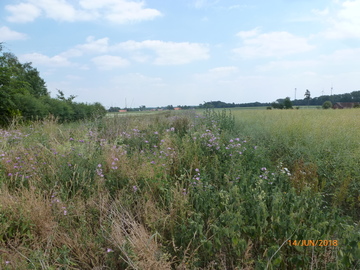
[
  {"x": 116, "y": 11},
  {"x": 204, "y": 3},
  {"x": 137, "y": 80},
  {"x": 44, "y": 60},
  {"x": 248, "y": 34},
  {"x": 344, "y": 21},
  {"x": 92, "y": 46},
  {"x": 108, "y": 62},
  {"x": 169, "y": 53},
  {"x": 273, "y": 44},
  {"x": 23, "y": 12},
  {"x": 8, "y": 34},
  {"x": 288, "y": 64},
  {"x": 218, "y": 75}
]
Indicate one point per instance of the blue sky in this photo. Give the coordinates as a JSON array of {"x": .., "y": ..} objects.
[{"x": 185, "y": 52}]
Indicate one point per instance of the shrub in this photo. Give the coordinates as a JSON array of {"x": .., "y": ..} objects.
[{"x": 327, "y": 105}]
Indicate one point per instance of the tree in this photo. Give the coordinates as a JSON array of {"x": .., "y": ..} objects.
[
  {"x": 287, "y": 103},
  {"x": 307, "y": 96},
  {"x": 327, "y": 105}
]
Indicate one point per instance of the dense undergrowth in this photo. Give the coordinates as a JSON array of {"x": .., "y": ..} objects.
[{"x": 173, "y": 191}]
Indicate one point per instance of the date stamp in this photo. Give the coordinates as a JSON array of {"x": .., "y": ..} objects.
[{"x": 313, "y": 243}]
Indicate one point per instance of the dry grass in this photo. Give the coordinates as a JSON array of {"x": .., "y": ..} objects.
[{"x": 139, "y": 249}]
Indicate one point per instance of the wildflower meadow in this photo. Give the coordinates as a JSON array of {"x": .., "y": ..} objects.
[{"x": 183, "y": 190}]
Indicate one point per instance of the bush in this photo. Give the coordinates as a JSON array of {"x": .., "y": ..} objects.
[{"x": 327, "y": 105}]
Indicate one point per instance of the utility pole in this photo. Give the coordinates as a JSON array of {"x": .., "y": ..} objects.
[{"x": 295, "y": 93}]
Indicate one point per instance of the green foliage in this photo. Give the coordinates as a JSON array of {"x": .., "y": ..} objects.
[
  {"x": 23, "y": 93},
  {"x": 287, "y": 103},
  {"x": 327, "y": 105}
]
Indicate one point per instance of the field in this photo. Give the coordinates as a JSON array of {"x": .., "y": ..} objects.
[{"x": 239, "y": 189}]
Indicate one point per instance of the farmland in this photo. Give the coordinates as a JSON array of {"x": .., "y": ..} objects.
[{"x": 246, "y": 189}]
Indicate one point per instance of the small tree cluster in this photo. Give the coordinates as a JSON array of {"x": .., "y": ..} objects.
[
  {"x": 282, "y": 104},
  {"x": 23, "y": 94},
  {"x": 327, "y": 105}
]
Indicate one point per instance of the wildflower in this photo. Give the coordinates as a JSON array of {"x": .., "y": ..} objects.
[
  {"x": 197, "y": 170},
  {"x": 99, "y": 165},
  {"x": 135, "y": 188},
  {"x": 231, "y": 140},
  {"x": 71, "y": 139},
  {"x": 10, "y": 174},
  {"x": 263, "y": 168},
  {"x": 152, "y": 162},
  {"x": 109, "y": 250}
]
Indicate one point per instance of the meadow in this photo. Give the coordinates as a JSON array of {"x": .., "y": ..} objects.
[{"x": 239, "y": 189}]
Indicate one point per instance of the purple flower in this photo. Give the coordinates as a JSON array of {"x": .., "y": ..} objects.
[
  {"x": 109, "y": 250},
  {"x": 71, "y": 139},
  {"x": 197, "y": 170},
  {"x": 135, "y": 188}
]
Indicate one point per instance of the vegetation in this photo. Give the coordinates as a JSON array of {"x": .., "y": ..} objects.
[
  {"x": 327, "y": 105},
  {"x": 182, "y": 191},
  {"x": 24, "y": 96}
]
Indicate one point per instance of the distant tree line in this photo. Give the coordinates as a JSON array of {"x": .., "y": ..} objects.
[
  {"x": 24, "y": 95},
  {"x": 221, "y": 104},
  {"x": 319, "y": 101}
]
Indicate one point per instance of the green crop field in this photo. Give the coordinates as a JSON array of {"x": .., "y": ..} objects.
[{"x": 239, "y": 189}]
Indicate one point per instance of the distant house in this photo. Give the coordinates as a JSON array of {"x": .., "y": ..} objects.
[
  {"x": 345, "y": 105},
  {"x": 177, "y": 108},
  {"x": 122, "y": 110}
]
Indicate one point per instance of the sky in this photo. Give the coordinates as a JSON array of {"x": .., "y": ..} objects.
[{"x": 130, "y": 53}]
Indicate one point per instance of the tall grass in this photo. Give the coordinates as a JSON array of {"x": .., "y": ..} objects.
[
  {"x": 324, "y": 141},
  {"x": 177, "y": 191}
]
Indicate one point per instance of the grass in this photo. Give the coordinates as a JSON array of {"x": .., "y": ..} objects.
[{"x": 182, "y": 190}]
